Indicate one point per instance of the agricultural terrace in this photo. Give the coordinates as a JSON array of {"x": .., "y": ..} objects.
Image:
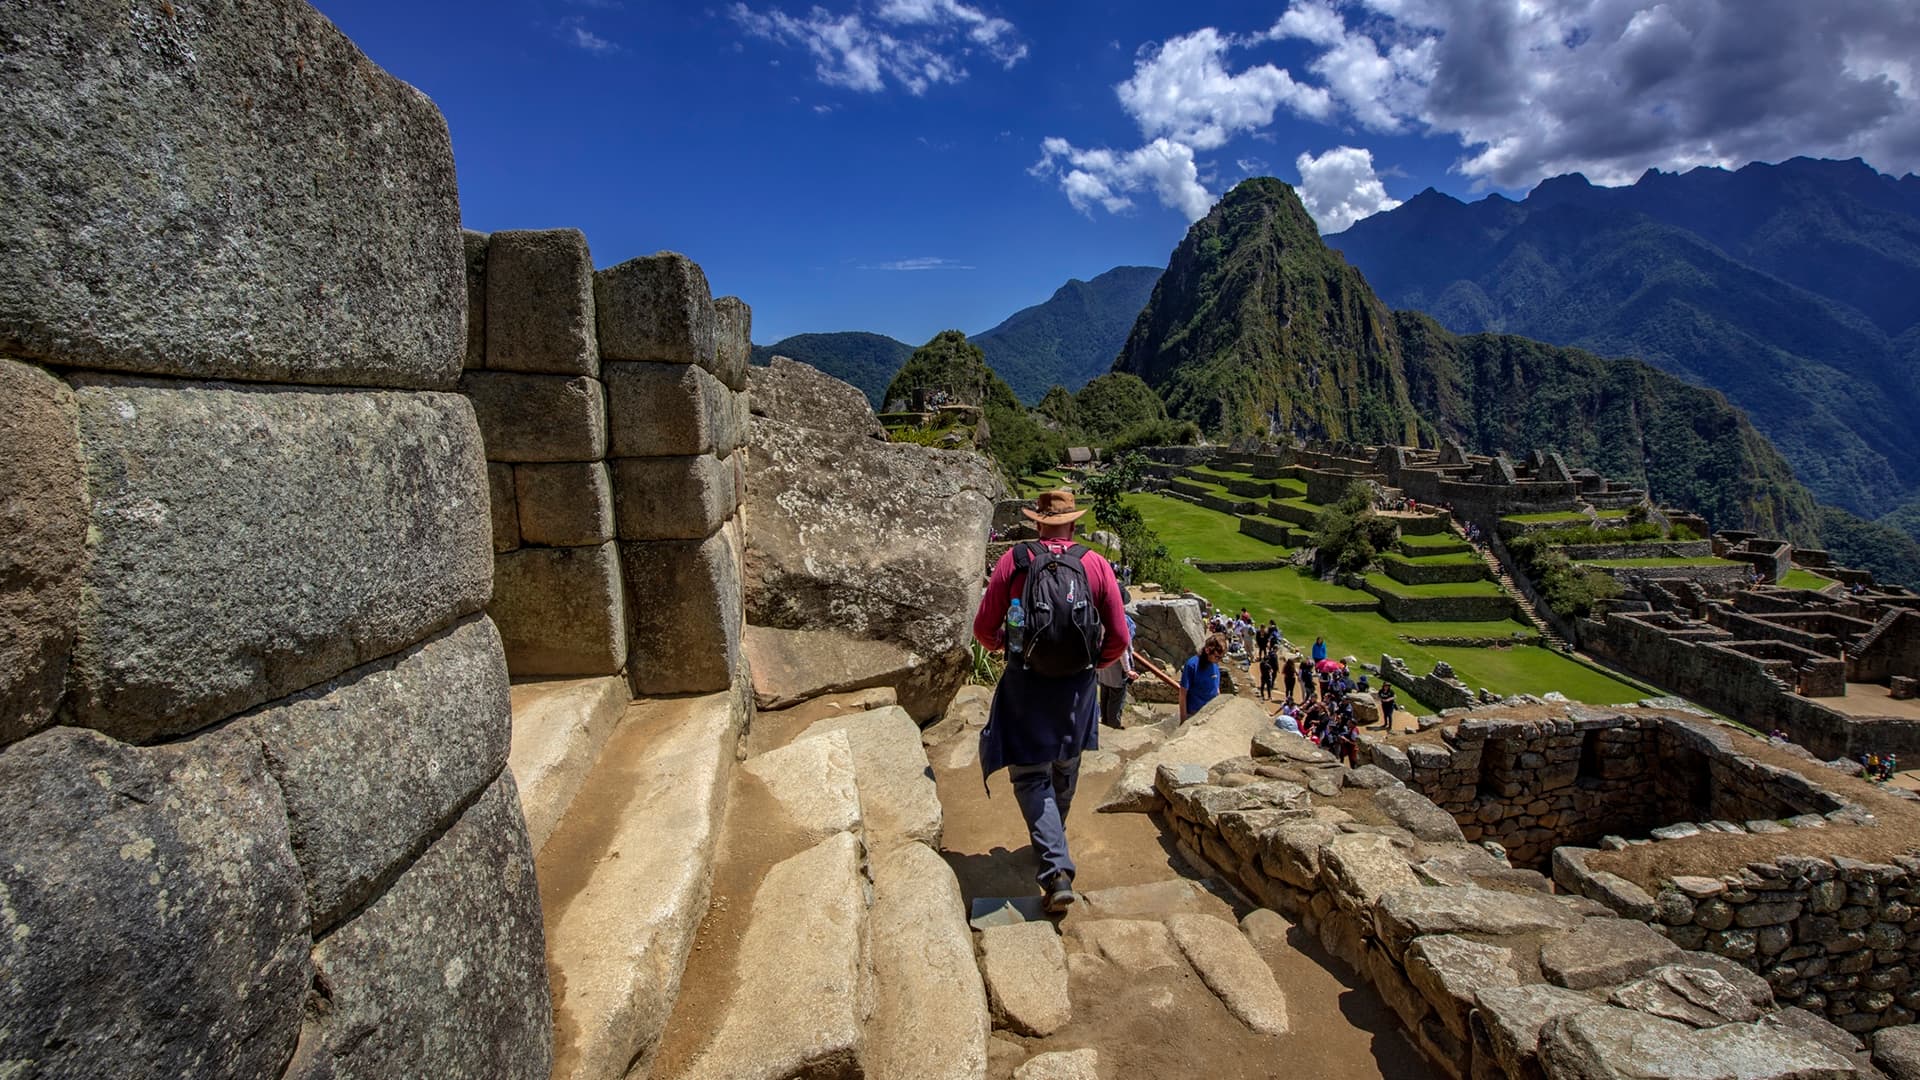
[{"x": 1354, "y": 621}]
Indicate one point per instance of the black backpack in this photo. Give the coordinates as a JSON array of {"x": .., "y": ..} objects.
[{"x": 1063, "y": 631}]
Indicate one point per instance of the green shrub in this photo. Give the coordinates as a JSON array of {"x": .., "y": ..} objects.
[
  {"x": 1156, "y": 433},
  {"x": 1348, "y": 534}
]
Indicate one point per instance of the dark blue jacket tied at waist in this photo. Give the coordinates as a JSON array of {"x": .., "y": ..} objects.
[{"x": 1036, "y": 719}]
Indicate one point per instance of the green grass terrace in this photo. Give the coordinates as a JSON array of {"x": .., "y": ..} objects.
[{"x": 1293, "y": 599}]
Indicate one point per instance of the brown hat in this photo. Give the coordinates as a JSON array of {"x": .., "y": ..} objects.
[{"x": 1053, "y": 508}]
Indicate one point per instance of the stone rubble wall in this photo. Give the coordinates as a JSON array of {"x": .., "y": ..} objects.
[
  {"x": 1536, "y": 785},
  {"x": 1835, "y": 936},
  {"x": 1696, "y": 662},
  {"x": 1492, "y": 974},
  {"x": 253, "y": 715},
  {"x": 613, "y": 406}
]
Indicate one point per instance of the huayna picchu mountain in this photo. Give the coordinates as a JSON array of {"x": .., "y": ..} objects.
[{"x": 1258, "y": 328}]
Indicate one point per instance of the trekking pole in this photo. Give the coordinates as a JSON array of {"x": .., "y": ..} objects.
[{"x": 1157, "y": 673}]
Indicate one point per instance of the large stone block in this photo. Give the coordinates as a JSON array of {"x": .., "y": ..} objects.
[
  {"x": 445, "y": 973},
  {"x": 564, "y": 504},
  {"x": 475, "y": 244},
  {"x": 539, "y": 417},
  {"x": 673, "y": 498},
  {"x": 733, "y": 341},
  {"x": 656, "y": 307},
  {"x": 683, "y": 602},
  {"x": 247, "y": 542},
  {"x": 802, "y": 395},
  {"x": 874, "y": 540},
  {"x": 152, "y": 921},
  {"x": 561, "y": 611},
  {"x": 43, "y": 516},
  {"x": 384, "y": 755},
  {"x": 225, "y": 190},
  {"x": 540, "y": 302},
  {"x": 505, "y": 515},
  {"x": 663, "y": 410}
]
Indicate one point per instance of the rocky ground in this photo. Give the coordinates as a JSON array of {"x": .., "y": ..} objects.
[{"x": 1161, "y": 971}]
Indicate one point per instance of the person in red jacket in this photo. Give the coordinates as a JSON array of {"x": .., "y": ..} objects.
[{"x": 1039, "y": 725}]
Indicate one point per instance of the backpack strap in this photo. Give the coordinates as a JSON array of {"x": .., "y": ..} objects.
[{"x": 1023, "y": 556}]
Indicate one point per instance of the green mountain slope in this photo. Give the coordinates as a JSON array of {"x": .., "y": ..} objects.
[
  {"x": 1070, "y": 338},
  {"x": 866, "y": 360},
  {"x": 1259, "y": 328},
  {"x": 1788, "y": 287}
]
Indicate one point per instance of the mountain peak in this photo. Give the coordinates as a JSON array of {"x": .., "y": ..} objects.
[{"x": 1558, "y": 189}]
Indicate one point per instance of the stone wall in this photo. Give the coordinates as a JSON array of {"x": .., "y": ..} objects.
[
  {"x": 1832, "y": 935},
  {"x": 1492, "y": 974},
  {"x": 1677, "y": 549},
  {"x": 253, "y": 716},
  {"x": 1401, "y": 607},
  {"x": 1408, "y": 572},
  {"x": 1705, "y": 664},
  {"x": 612, "y": 404},
  {"x": 1537, "y": 784}
]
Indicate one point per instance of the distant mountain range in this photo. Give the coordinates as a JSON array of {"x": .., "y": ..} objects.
[
  {"x": 1065, "y": 341},
  {"x": 1258, "y": 328},
  {"x": 1792, "y": 288},
  {"x": 1071, "y": 338}
]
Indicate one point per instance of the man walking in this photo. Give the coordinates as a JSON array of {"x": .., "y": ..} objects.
[{"x": 1070, "y": 622}]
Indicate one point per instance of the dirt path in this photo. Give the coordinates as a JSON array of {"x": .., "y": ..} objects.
[{"x": 1164, "y": 1024}]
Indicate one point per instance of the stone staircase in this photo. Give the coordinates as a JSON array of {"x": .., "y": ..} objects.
[
  {"x": 780, "y": 916},
  {"x": 1523, "y": 602}
]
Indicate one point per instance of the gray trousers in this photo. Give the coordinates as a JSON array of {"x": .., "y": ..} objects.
[{"x": 1045, "y": 793}]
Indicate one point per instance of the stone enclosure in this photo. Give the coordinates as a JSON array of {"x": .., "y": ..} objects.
[{"x": 1493, "y": 972}]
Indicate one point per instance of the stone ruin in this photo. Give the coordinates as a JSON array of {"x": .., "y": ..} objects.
[
  {"x": 1407, "y": 870},
  {"x": 372, "y": 587}
]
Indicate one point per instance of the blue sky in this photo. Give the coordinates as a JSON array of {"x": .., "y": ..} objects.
[{"x": 904, "y": 166}]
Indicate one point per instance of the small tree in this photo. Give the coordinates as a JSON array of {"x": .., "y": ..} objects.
[{"x": 1348, "y": 534}]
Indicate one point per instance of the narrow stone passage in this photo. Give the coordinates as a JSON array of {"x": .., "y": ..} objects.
[{"x": 1135, "y": 998}]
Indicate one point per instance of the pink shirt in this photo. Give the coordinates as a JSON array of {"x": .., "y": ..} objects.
[{"x": 990, "y": 622}]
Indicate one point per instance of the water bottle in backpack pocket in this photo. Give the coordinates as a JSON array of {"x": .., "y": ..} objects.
[
  {"x": 1016, "y": 628},
  {"x": 1062, "y": 632}
]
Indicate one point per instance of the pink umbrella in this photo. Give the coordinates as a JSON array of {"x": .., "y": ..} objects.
[{"x": 1328, "y": 667}]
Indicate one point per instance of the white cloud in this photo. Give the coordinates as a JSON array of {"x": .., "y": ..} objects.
[
  {"x": 913, "y": 44},
  {"x": 1182, "y": 91},
  {"x": 1340, "y": 187},
  {"x": 1612, "y": 88},
  {"x": 918, "y": 264},
  {"x": 1530, "y": 89},
  {"x": 1109, "y": 180},
  {"x": 573, "y": 31}
]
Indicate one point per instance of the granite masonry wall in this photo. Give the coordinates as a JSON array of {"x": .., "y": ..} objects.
[
  {"x": 1835, "y": 936},
  {"x": 1492, "y": 974},
  {"x": 613, "y": 406},
  {"x": 254, "y": 717}
]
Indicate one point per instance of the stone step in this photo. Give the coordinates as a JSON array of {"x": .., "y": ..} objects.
[
  {"x": 930, "y": 1019},
  {"x": 624, "y": 879},
  {"x": 559, "y": 726},
  {"x": 800, "y": 977}
]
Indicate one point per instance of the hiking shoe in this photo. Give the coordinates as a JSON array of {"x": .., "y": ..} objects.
[{"x": 1059, "y": 894}]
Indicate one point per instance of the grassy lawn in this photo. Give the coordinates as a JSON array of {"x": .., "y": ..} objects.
[
  {"x": 1445, "y": 539},
  {"x": 1654, "y": 564},
  {"x": 1197, "y": 532},
  {"x": 1288, "y": 596},
  {"x": 1298, "y": 487},
  {"x": 1228, "y": 474},
  {"x": 1457, "y": 558},
  {"x": 1445, "y": 588},
  {"x": 1804, "y": 579},
  {"x": 1555, "y": 518}
]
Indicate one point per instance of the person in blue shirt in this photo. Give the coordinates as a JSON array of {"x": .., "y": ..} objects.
[
  {"x": 1319, "y": 649},
  {"x": 1200, "y": 678}
]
